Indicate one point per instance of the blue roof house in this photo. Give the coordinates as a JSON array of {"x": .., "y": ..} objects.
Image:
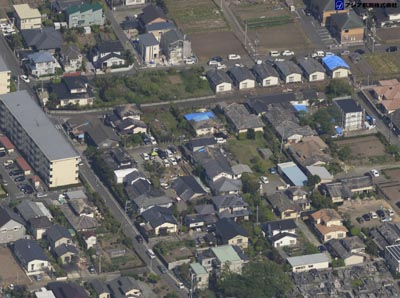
[
  {"x": 42, "y": 64},
  {"x": 203, "y": 123},
  {"x": 337, "y": 68}
]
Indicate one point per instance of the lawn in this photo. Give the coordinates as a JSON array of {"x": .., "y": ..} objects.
[
  {"x": 245, "y": 151},
  {"x": 383, "y": 65},
  {"x": 195, "y": 16}
]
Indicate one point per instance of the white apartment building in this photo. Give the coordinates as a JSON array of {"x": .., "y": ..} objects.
[
  {"x": 36, "y": 137},
  {"x": 5, "y": 77}
]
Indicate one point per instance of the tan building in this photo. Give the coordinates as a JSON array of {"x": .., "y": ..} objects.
[
  {"x": 323, "y": 9},
  {"x": 347, "y": 28},
  {"x": 27, "y": 17},
  {"x": 328, "y": 224},
  {"x": 5, "y": 77},
  {"x": 36, "y": 137}
]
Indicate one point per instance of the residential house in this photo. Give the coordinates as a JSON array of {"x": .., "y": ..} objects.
[
  {"x": 149, "y": 200},
  {"x": 217, "y": 168},
  {"x": 392, "y": 257},
  {"x": 149, "y": 48},
  {"x": 44, "y": 39},
  {"x": 124, "y": 286},
  {"x": 203, "y": 123},
  {"x": 160, "y": 221},
  {"x": 28, "y": 209},
  {"x": 300, "y": 196},
  {"x": 90, "y": 239},
  {"x": 12, "y": 226},
  {"x": 200, "y": 276},
  {"x": 67, "y": 290},
  {"x": 306, "y": 263},
  {"x": 283, "y": 206},
  {"x": 98, "y": 135},
  {"x": 158, "y": 29},
  {"x": 310, "y": 151},
  {"x": 387, "y": 93},
  {"x": 71, "y": 58},
  {"x": 219, "y": 80},
  {"x": 66, "y": 253},
  {"x": 188, "y": 188},
  {"x": 280, "y": 232},
  {"x": 241, "y": 119},
  {"x": 289, "y": 71},
  {"x": 73, "y": 90},
  {"x": 240, "y": 169},
  {"x": 130, "y": 126},
  {"x": 242, "y": 77},
  {"x": 128, "y": 111},
  {"x": 100, "y": 288},
  {"x": 123, "y": 160},
  {"x": 229, "y": 232},
  {"x": 337, "y": 68},
  {"x": 151, "y": 14},
  {"x": 323, "y": 9},
  {"x": 386, "y": 234},
  {"x": 38, "y": 226},
  {"x": 231, "y": 206},
  {"x": 61, "y": 5},
  {"x": 42, "y": 64},
  {"x": 108, "y": 54},
  {"x": 328, "y": 224},
  {"x": 285, "y": 123},
  {"x": 5, "y": 77},
  {"x": 85, "y": 15},
  {"x": 198, "y": 144},
  {"x": 58, "y": 235},
  {"x": 134, "y": 2},
  {"x": 175, "y": 46},
  {"x": 259, "y": 105},
  {"x": 265, "y": 75},
  {"x": 292, "y": 173},
  {"x": 312, "y": 69},
  {"x": 230, "y": 257},
  {"x": 347, "y": 28},
  {"x": 352, "y": 115},
  {"x": 346, "y": 188},
  {"x": 30, "y": 256},
  {"x": 130, "y": 25},
  {"x": 321, "y": 172},
  {"x": 27, "y": 17},
  {"x": 351, "y": 250},
  {"x": 44, "y": 293}
]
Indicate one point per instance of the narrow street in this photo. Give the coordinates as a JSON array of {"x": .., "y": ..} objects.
[{"x": 307, "y": 233}]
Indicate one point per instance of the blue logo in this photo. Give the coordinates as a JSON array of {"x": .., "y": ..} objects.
[{"x": 339, "y": 4}]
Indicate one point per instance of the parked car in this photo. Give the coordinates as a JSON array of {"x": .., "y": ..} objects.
[
  {"x": 233, "y": 57},
  {"x": 366, "y": 217},
  {"x": 145, "y": 156},
  {"x": 162, "y": 269},
  {"x": 360, "y": 220},
  {"x": 272, "y": 170},
  {"x": 19, "y": 179},
  {"x": 189, "y": 61},
  {"x": 16, "y": 173},
  {"x": 345, "y": 53},
  {"x": 274, "y": 54},
  {"x": 153, "y": 141},
  {"x": 359, "y": 51},
  {"x": 151, "y": 253},
  {"x": 180, "y": 285},
  {"x": 8, "y": 162},
  {"x": 25, "y": 78},
  {"x": 217, "y": 58},
  {"x": 390, "y": 212},
  {"x": 221, "y": 66},
  {"x": 264, "y": 179},
  {"x": 10, "y": 166},
  {"x": 321, "y": 248},
  {"x": 373, "y": 215},
  {"x": 329, "y": 54},
  {"x": 374, "y": 173},
  {"x": 380, "y": 213},
  {"x": 139, "y": 238},
  {"x": 391, "y": 49},
  {"x": 91, "y": 269},
  {"x": 287, "y": 53}
]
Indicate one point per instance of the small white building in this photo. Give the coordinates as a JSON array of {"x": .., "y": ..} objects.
[
  {"x": 337, "y": 68},
  {"x": 200, "y": 276},
  {"x": 307, "y": 262},
  {"x": 289, "y": 71},
  {"x": 242, "y": 77},
  {"x": 283, "y": 239},
  {"x": 119, "y": 175},
  {"x": 312, "y": 69},
  {"x": 219, "y": 81},
  {"x": 266, "y": 75}
]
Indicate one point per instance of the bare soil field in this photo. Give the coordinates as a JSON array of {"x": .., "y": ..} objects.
[
  {"x": 194, "y": 16},
  {"x": 207, "y": 45},
  {"x": 10, "y": 271},
  {"x": 391, "y": 189},
  {"x": 365, "y": 150},
  {"x": 388, "y": 35},
  {"x": 260, "y": 9}
]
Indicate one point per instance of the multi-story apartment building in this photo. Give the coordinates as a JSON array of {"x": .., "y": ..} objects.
[
  {"x": 27, "y": 17},
  {"x": 35, "y": 136},
  {"x": 87, "y": 14},
  {"x": 5, "y": 77}
]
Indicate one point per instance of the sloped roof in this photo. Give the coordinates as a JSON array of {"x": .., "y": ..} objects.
[
  {"x": 28, "y": 250},
  {"x": 6, "y": 214},
  {"x": 241, "y": 73},
  {"x": 333, "y": 62},
  {"x": 43, "y": 39},
  {"x": 217, "y": 77},
  {"x": 241, "y": 169},
  {"x": 280, "y": 225},
  {"x": 310, "y": 65},
  {"x": 264, "y": 71},
  {"x": 150, "y": 13},
  {"x": 148, "y": 39},
  {"x": 84, "y": 7},
  {"x": 172, "y": 36},
  {"x": 57, "y": 232},
  {"x": 41, "y": 57},
  {"x": 65, "y": 248},
  {"x": 160, "y": 26},
  {"x": 287, "y": 67},
  {"x": 227, "y": 229},
  {"x": 346, "y": 21},
  {"x": 157, "y": 216},
  {"x": 186, "y": 187},
  {"x": 226, "y": 185},
  {"x": 110, "y": 46},
  {"x": 241, "y": 117}
]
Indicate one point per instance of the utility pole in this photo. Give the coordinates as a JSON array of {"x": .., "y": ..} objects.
[
  {"x": 257, "y": 214},
  {"x": 245, "y": 34},
  {"x": 222, "y": 8}
]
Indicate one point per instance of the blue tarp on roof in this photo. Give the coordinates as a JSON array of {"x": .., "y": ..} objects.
[
  {"x": 333, "y": 62},
  {"x": 299, "y": 108},
  {"x": 339, "y": 130},
  {"x": 197, "y": 117}
]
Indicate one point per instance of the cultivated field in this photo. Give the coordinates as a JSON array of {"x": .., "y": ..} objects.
[
  {"x": 365, "y": 150},
  {"x": 194, "y": 16},
  {"x": 391, "y": 189},
  {"x": 10, "y": 271},
  {"x": 207, "y": 45},
  {"x": 388, "y": 35}
]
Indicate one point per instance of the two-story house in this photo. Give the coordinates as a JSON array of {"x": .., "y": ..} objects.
[
  {"x": 83, "y": 15},
  {"x": 31, "y": 256},
  {"x": 323, "y": 9},
  {"x": 108, "y": 54},
  {"x": 71, "y": 58},
  {"x": 175, "y": 47},
  {"x": 280, "y": 232},
  {"x": 289, "y": 71},
  {"x": 266, "y": 75},
  {"x": 12, "y": 226},
  {"x": 347, "y": 28},
  {"x": 42, "y": 64},
  {"x": 148, "y": 48},
  {"x": 74, "y": 90},
  {"x": 328, "y": 224},
  {"x": 27, "y": 17},
  {"x": 58, "y": 235},
  {"x": 231, "y": 206},
  {"x": 242, "y": 77},
  {"x": 312, "y": 69},
  {"x": 229, "y": 232}
]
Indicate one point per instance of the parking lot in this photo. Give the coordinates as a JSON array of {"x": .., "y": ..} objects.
[{"x": 357, "y": 208}]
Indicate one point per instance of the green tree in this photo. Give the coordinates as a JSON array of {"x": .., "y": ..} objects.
[
  {"x": 344, "y": 153},
  {"x": 339, "y": 87},
  {"x": 338, "y": 263},
  {"x": 171, "y": 295},
  {"x": 355, "y": 231},
  {"x": 259, "y": 279},
  {"x": 313, "y": 180},
  {"x": 250, "y": 183}
]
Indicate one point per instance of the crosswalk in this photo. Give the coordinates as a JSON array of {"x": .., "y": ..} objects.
[
  {"x": 58, "y": 127},
  {"x": 326, "y": 37}
]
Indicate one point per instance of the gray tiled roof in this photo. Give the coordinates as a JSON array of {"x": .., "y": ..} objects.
[
  {"x": 28, "y": 250},
  {"x": 157, "y": 216},
  {"x": 310, "y": 65},
  {"x": 287, "y": 67},
  {"x": 241, "y": 117},
  {"x": 6, "y": 214},
  {"x": 43, "y": 39},
  {"x": 241, "y": 73},
  {"x": 263, "y": 71},
  {"x": 227, "y": 229},
  {"x": 57, "y": 232},
  {"x": 217, "y": 77},
  {"x": 186, "y": 187},
  {"x": 148, "y": 40},
  {"x": 172, "y": 36}
]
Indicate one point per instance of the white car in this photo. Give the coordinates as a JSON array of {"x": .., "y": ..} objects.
[
  {"x": 391, "y": 212},
  {"x": 374, "y": 173},
  {"x": 239, "y": 65},
  {"x": 173, "y": 161},
  {"x": 221, "y": 66},
  {"x": 180, "y": 285},
  {"x": 145, "y": 156},
  {"x": 24, "y": 78},
  {"x": 279, "y": 60},
  {"x": 213, "y": 62},
  {"x": 264, "y": 179},
  {"x": 287, "y": 53},
  {"x": 189, "y": 61},
  {"x": 274, "y": 54},
  {"x": 8, "y": 162},
  {"x": 329, "y": 54},
  {"x": 233, "y": 57},
  {"x": 153, "y": 141},
  {"x": 373, "y": 214},
  {"x": 320, "y": 53}
]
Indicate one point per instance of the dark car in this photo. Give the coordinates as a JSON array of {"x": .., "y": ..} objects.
[
  {"x": 16, "y": 173},
  {"x": 91, "y": 269},
  {"x": 19, "y": 179},
  {"x": 28, "y": 190},
  {"x": 360, "y": 220},
  {"x": 139, "y": 238},
  {"x": 360, "y": 51},
  {"x": 217, "y": 58},
  {"x": 380, "y": 213},
  {"x": 391, "y": 49},
  {"x": 321, "y": 248},
  {"x": 173, "y": 149},
  {"x": 272, "y": 170},
  {"x": 162, "y": 269},
  {"x": 10, "y": 167},
  {"x": 2, "y": 153},
  {"x": 366, "y": 217}
]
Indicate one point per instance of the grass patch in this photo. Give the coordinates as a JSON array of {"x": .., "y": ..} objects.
[
  {"x": 269, "y": 22},
  {"x": 383, "y": 65},
  {"x": 3, "y": 193}
]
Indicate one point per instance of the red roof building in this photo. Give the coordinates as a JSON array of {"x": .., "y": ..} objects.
[
  {"x": 7, "y": 144},
  {"x": 23, "y": 165}
]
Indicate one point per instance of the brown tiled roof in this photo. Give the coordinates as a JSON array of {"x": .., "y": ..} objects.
[
  {"x": 325, "y": 230},
  {"x": 326, "y": 215}
]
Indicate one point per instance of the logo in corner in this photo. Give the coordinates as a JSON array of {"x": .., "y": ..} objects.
[{"x": 339, "y": 4}]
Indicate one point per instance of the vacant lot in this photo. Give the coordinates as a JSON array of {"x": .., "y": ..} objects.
[
  {"x": 389, "y": 35},
  {"x": 207, "y": 45},
  {"x": 264, "y": 10},
  {"x": 10, "y": 271},
  {"x": 358, "y": 208},
  {"x": 194, "y": 16},
  {"x": 391, "y": 189},
  {"x": 365, "y": 150}
]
